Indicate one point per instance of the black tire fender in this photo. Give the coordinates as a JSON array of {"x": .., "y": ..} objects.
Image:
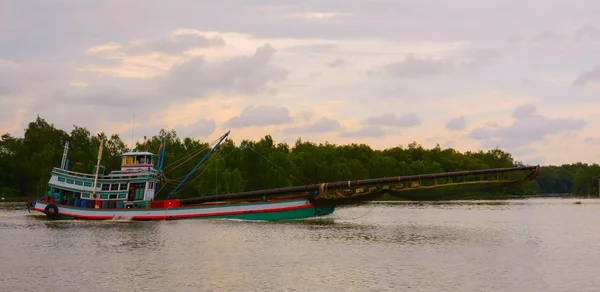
[{"x": 51, "y": 211}]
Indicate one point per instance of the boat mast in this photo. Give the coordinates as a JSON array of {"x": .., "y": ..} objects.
[
  {"x": 98, "y": 166},
  {"x": 64, "y": 158},
  {"x": 199, "y": 163}
]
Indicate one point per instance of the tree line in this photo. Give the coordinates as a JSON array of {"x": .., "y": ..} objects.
[{"x": 26, "y": 162}]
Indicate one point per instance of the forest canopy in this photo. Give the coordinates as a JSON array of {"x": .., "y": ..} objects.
[{"x": 26, "y": 162}]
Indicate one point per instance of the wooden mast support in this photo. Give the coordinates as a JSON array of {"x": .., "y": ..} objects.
[{"x": 98, "y": 167}]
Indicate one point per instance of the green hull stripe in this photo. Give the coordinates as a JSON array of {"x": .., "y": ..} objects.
[
  {"x": 262, "y": 216},
  {"x": 275, "y": 216}
]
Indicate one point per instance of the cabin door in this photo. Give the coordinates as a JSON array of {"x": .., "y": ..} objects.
[{"x": 136, "y": 192}]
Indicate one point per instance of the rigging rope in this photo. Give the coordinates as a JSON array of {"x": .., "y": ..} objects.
[
  {"x": 190, "y": 156},
  {"x": 289, "y": 174},
  {"x": 207, "y": 164}
]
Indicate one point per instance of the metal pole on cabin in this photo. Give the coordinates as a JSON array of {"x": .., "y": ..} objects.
[
  {"x": 64, "y": 158},
  {"x": 98, "y": 165}
]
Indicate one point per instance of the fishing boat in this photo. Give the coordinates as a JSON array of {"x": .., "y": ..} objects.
[{"x": 130, "y": 193}]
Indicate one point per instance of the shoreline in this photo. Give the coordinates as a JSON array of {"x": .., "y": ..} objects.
[{"x": 16, "y": 199}]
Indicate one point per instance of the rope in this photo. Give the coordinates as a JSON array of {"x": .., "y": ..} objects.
[
  {"x": 208, "y": 161},
  {"x": 204, "y": 148},
  {"x": 290, "y": 175}
]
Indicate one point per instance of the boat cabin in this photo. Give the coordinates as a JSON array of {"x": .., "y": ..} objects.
[
  {"x": 133, "y": 186},
  {"x": 137, "y": 160}
]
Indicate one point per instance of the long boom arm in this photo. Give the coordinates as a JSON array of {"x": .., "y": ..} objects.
[
  {"x": 198, "y": 165},
  {"x": 314, "y": 188}
]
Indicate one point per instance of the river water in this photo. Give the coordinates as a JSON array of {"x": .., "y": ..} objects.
[{"x": 517, "y": 245}]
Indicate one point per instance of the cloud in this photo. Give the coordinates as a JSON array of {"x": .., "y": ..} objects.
[
  {"x": 201, "y": 128},
  {"x": 9, "y": 77},
  {"x": 113, "y": 100},
  {"x": 592, "y": 141},
  {"x": 170, "y": 63},
  {"x": 449, "y": 144},
  {"x": 413, "y": 67},
  {"x": 456, "y": 124},
  {"x": 520, "y": 151},
  {"x": 588, "y": 76},
  {"x": 173, "y": 44},
  {"x": 319, "y": 15},
  {"x": 314, "y": 48},
  {"x": 527, "y": 128},
  {"x": 491, "y": 124},
  {"x": 588, "y": 32},
  {"x": 366, "y": 132},
  {"x": 260, "y": 116},
  {"x": 538, "y": 160},
  {"x": 246, "y": 74},
  {"x": 548, "y": 35},
  {"x": 406, "y": 120},
  {"x": 321, "y": 126},
  {"x": 481, "y": 134},
  {"x": 337, "y": 63},
  {"x": 418, "y": 67},
  {"x": 524, "y": 111}
]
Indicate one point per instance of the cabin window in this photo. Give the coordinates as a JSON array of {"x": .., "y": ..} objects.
[
  {"x": 114, "y": 187},
  {"x": 87, "y": 184},
  {"x": 105, "y": 187},
  {"x": 112, "y": 196},
  {"x": 79, "y": 183},
  {"x": 128, "y": 160},
  {"x": 61, "y": 179},
  {"x": 123, "y": 187},
  {"x": 70, "y": 181}
]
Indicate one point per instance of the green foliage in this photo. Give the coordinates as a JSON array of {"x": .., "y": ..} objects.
[
  {"x": 25, "y": 163},
  {"x": 580, "y": 179}
]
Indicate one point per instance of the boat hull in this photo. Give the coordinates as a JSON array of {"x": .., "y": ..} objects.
[{"x": 265, "y": 210}]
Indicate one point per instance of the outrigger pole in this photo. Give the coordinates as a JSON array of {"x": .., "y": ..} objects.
[
  {"x": 316, "y": 189},
  {"x": 198, "y": 165}
]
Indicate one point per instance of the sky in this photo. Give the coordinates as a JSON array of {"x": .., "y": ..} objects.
[{"x": 523, "y": 76}]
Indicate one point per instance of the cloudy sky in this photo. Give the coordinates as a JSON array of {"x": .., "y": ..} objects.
[{"x": 520, "y": 75}]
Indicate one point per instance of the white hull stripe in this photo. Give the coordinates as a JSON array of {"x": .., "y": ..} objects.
[{"x": 198, "y": 211}]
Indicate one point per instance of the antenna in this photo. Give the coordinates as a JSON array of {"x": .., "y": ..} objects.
[{"x": 132, "y": 129}]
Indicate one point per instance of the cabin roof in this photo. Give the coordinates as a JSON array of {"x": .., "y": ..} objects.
[{"x": 138, "y": 154}]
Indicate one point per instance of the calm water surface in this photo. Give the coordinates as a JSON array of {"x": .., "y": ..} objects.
[{"x": 521, "y": 245}]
